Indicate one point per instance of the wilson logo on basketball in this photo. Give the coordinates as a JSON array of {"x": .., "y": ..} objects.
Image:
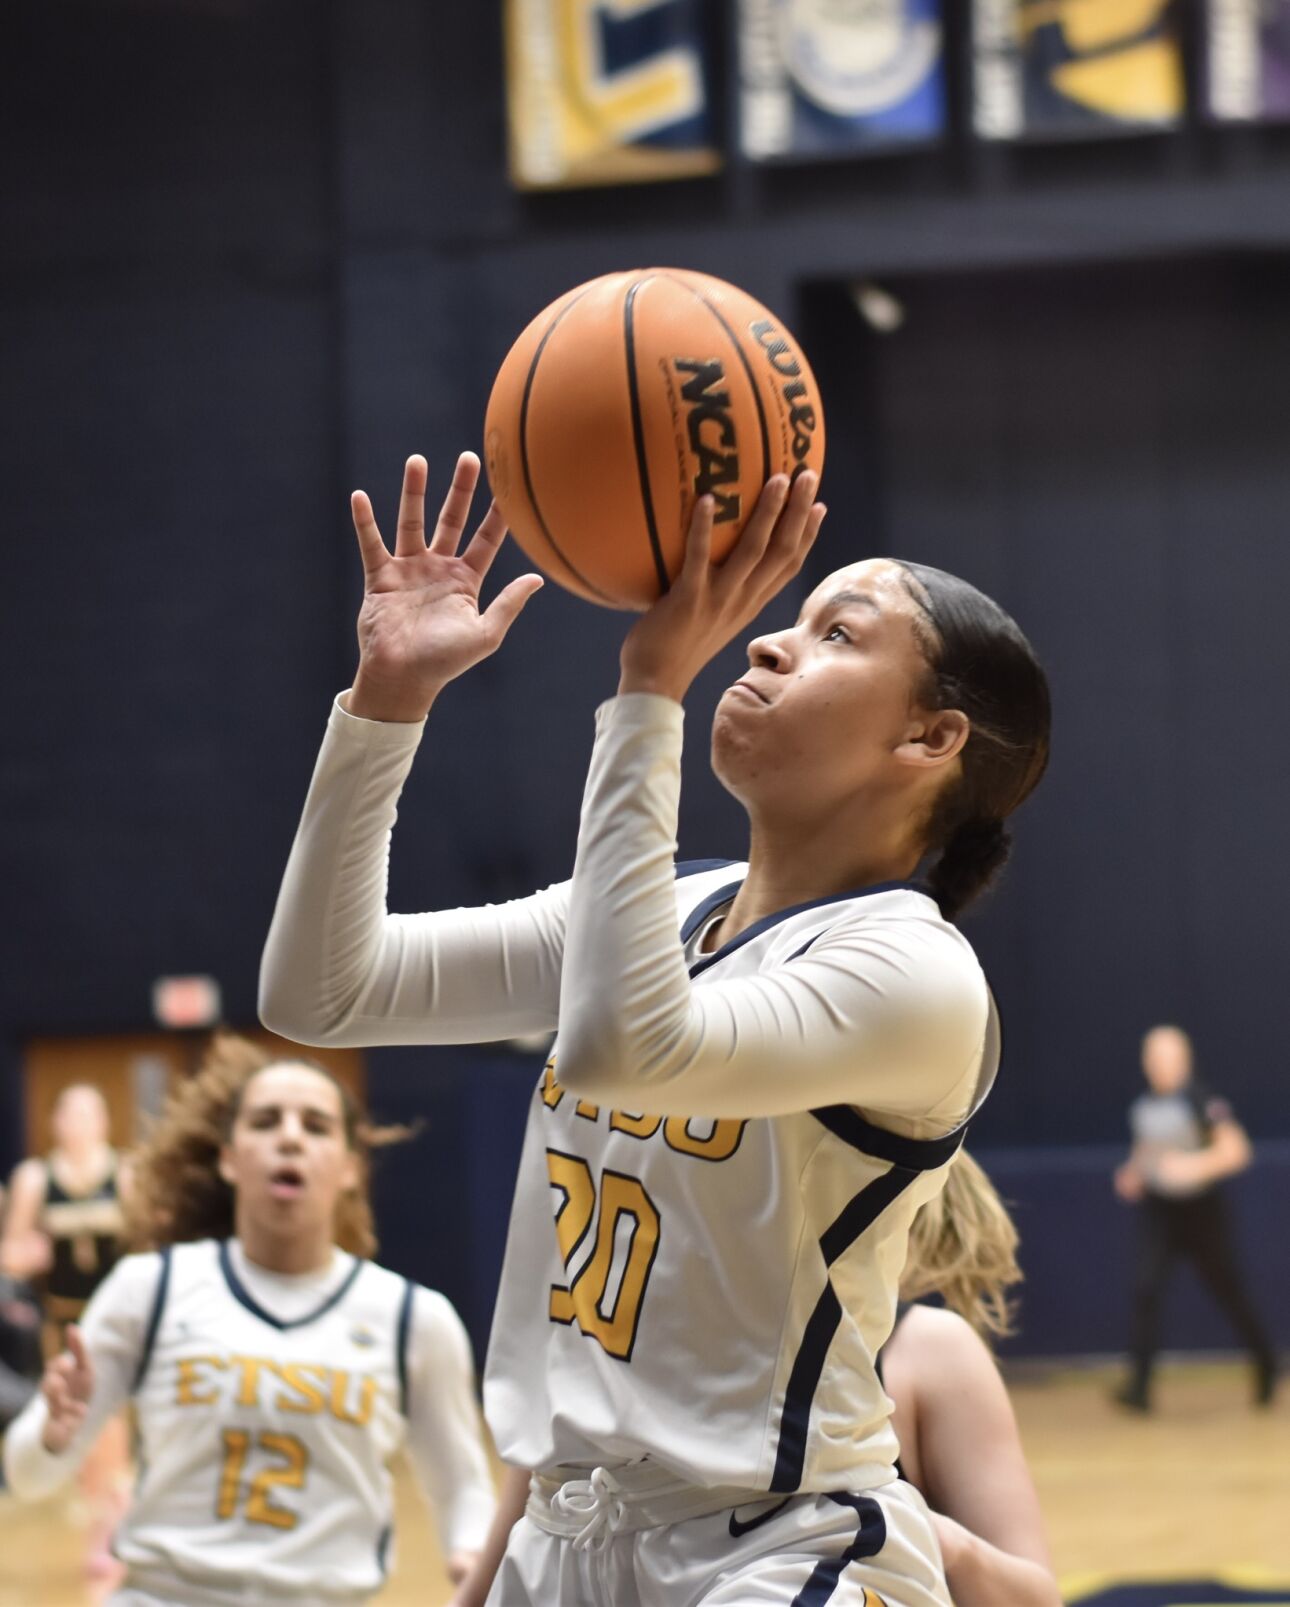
[
  {"x": 711, "y": 429},
  {"x": 801, "y": 413}
]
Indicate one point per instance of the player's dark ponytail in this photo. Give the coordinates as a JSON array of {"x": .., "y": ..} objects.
[{"x": 981, "y": 663}]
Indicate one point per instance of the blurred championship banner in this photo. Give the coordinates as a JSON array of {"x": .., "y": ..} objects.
[
  {"x": 1061, "y": 68},
  {"x": 829, "y": 77},
  {"x": 1247, "y": 60},
  {"x": 607, "y": 91}
]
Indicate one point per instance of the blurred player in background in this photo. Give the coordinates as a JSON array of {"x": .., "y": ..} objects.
[
  {"x": 63, "y": 1230},
  {"x": 1185, "y": 1142},
  {"x": 274, "y": 1369},
  {"x": 959, "y": 1444},
  {"x": 761, "y": 1072}
]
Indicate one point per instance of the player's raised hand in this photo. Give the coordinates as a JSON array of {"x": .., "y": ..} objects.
[
  {"x": 709, "y": 604},
  {"x": 67, "y": 1385},
  {"x": 421, "y": 625}
]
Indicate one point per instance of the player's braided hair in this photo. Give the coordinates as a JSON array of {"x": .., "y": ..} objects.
[
  {"x": 176, "y": 1194},
  {"x": 980, "y": 662},
  {"x": 963, "y": 1247}
]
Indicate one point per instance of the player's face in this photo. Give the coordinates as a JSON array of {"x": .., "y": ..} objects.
[
  {"x": 288, "y": 1156},
  {"x": 1166, "y": 1059},
  {"x": 829, "y": 708},
  {"x": 80, "y": 1119}
]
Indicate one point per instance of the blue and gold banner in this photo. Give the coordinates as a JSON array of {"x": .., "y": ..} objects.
[
  {"x": 1247, "y": 60},
  {"x": 607, "y": 91},
  {"x": 1046, "y": 69},
  {"x": 830, "y": 77}
]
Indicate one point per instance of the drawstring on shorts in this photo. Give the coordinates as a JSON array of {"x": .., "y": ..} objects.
[{"x": 597, "y": 1501}]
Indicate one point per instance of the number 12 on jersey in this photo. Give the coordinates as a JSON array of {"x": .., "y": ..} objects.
[{"x": 608, "y": 1244}]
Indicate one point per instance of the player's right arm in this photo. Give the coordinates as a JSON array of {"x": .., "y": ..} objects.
[
  {"x": 973, "y": 1470},
  {"x": 511, "y": 1501},
  {"x": 24, "y": 1249},
  {"x": 338, "y": 967},
  {"x": 48, "y": 1440}
]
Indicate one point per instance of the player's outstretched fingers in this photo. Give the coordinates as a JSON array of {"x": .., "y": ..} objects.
[
  {"x": 456, "y": 506},
  {"x": 486, "y": 542},
  {"x": 410, "y": 537},
  {"x": 507, "y": 606},
  {"x": 748, "y": 552},
  {"x": 698, "y": 547},
  {"x": 80, "y": 1355},
  {"x": 371, "y": 547}
]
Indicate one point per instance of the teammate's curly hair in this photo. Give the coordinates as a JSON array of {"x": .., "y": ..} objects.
[
  {"x": 963, "y": 1247},
  {"x": 176, "y": 1194}
]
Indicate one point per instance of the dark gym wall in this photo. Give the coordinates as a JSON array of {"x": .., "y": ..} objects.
[{"x": 254, "y": 253}]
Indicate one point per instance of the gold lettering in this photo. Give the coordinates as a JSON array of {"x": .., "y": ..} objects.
[
  {"x": 719, "y": 1145},
  {"x": 293, "y": 1375},
  {"x": 340, "y": 1399},
  {"x": 188, "y": 1380}
]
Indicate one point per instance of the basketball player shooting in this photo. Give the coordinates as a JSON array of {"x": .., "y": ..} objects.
[{"x": 762, "y": 1070}]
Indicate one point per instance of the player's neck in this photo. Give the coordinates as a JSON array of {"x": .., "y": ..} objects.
[
  {"x": 806, "y": 861},
  {"x": 292, "y": 1254},
  {"x": 81, "y": 1166}
]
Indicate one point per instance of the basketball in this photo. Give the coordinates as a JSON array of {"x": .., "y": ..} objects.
[{"x": 625, "y": 401}]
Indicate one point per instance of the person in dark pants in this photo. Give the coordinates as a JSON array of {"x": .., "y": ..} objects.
[{"x": 1185, "y": 1142}]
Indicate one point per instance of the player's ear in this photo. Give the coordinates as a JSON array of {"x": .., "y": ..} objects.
[
  {"x": 226, "y": 1168},
  {"x": 935, "y": 737}
]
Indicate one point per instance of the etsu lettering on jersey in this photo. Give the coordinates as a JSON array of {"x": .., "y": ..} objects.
[
  {"x": 307, "y": 1388},
  {"x": 685, "y": 1135}
]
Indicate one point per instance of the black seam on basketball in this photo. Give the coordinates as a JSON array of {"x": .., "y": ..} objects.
[
  {"x": 573, "y": 569},
  {"x": 748, "y": 369},
  {"x": 638, "y": 435}
]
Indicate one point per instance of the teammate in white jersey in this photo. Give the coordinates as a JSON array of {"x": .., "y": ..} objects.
[
  {"x": 274, "y": 1368},
  {"x": 761, "y": 1071}
]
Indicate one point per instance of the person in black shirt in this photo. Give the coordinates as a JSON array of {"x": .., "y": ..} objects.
[{"x": 1185, "y": 1141}]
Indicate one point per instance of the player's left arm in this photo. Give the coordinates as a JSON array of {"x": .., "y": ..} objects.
[
  {"x": 974, "y": 1472},
  {"x": 1227, "y": 1153},
  {"x": 445, "y": 1432}
]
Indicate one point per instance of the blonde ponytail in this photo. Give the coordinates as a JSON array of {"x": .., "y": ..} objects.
[{"x": 963, "y": 1247}]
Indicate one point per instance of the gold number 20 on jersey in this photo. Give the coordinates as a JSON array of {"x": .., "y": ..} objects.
[{"x": 606, "y": 1312}]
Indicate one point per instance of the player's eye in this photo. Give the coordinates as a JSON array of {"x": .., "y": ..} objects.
[{"x": 837, "y": 633}]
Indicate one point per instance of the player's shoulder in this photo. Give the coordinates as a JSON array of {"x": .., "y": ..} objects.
[
  {"x": 941, "y": 1347},
  {"x": 904, "y": 926},
  {"x": 31, "y": 1176}
]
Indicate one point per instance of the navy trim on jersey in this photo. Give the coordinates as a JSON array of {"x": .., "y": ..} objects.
[
  {"x": 862, "y": 1211},
  {"x": 723, "y": 895},
  {"x": 696, "y": 867},
  {"x": 913, "y": 1154},
  {"x": 401, "y": 1341},
  {"x": 870, "y": 1538},
  {"x": 154, "y": 1320},
  {"x": 244, "y": 1297},
  {"x": 383, "y": 1550}
]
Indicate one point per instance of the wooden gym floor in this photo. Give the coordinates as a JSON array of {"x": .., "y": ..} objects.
[{"x": 1202, "y": 1486}]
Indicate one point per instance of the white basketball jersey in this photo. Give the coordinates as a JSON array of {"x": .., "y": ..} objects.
[
  {"x": 714, "y": 1293},
  {"x": 264, "y": 1444}
]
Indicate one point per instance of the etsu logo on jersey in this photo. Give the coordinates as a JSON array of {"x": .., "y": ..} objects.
[
  {"x": 308, "y": 1388},
  {"x": 684, "y": 1134},
  {"x": 363, "y": 1337},
  {"x": 711, "y": 430}
]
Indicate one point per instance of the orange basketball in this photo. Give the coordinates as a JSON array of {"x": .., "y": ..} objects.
[{"x": 626, "y": 400}]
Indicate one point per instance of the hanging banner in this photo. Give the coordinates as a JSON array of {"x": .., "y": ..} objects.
[
  {"x": 607, "y": 91},
  {"x": 1047, "y": 69},
  {"x": 830, "y": 77},
  {"x": 1247, "y": 60}
]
